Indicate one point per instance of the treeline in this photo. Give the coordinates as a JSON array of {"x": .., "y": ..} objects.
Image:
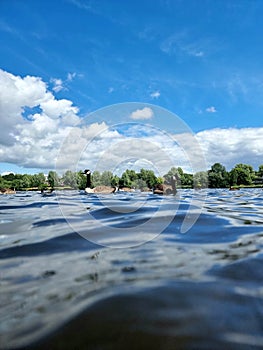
[
  {"x": 240, "y": 175},
  {"x": 216, "y": 177}
]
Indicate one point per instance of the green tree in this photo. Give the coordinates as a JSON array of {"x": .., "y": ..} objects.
[
  {"x": 260, "y": 171},
  {"x": 148, "y": 177},
  {"x": 3, "y": 182},
  {"x": 218, "y": 177},
  {"x": 159, "y": 180},
  {"x": 115, "y": 180},
  {"x": 106, "y": 178},
  {"x": 9, "y": 177},
  {"x": 125, "y": 180},
  {"x": 26, "y": 181},
  {"x": 81, "y": 180},
  {"x": 38, "y": 180},
  {"x": 53, "y": 178},
  {"x": 132, "y": 175},
  {"x": 172, "y": 172},
  {"x": 259, "y": 176},
  {"x": 242, "y": 174},
  {"x": 17, "y": 183},
  {"x": 70, "y": 179},
  {"x": 187, "y": 180},
  {"x": 177, "y": 172},
  {"x": 96, "y": 178},
  {"x": 141, "y": 184},
  {"x": 200, "y": 179}
]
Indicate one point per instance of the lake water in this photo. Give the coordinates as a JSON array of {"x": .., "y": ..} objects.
[{"x": 181, "y": 272}]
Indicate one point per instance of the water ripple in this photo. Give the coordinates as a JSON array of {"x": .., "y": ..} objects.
[{"x": 198, "y": 290}]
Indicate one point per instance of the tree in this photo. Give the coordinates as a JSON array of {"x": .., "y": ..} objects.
[
  {"x": 148, "y": 177},
  {"x": 172, "y": 172},
  {"x": 259, "y": 176},
  {"x": 96, "y": 178},
  {"x": 81, "y": 180},
  {"x": 38, "y": 180},
  {"x": 218, "y": 177},
  {"x": 106, "y": 178},
  {"x": 128, "y": 178},
  {"x": 177, "y": 172},
  {"x": 70, "y": 179},
  {"x": 159, "y": 180},
  {"x": 242, "y": 174},
  {"x": 9, "y": 177},
  {"x": 200, "y": 179},
  {"x": 26, "y": 181},
  {"x": 125, "y": 180},
  {"x": 115, "y": 181},
  {"x": 187, "y": 180},
  {"x": 4, "y": 183},
  {"x": 141, "y": 184},
  {"x": 260, "y": 171},
  {"x": 53, "y": 178}
]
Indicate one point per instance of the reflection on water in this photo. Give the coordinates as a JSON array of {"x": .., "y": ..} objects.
[{"x": 198, "y": 290}]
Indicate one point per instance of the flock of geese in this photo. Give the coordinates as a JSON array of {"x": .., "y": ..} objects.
[{"x": 160, "y": 189}]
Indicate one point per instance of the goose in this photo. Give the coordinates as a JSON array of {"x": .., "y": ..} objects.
[
  {"x": 97, "y": 189},
  {"x": 166, "y": 189},
  {"x": 49, "y": 193},
  {"x": 232, "y": 188}
]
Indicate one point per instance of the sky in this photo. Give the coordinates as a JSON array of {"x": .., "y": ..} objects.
[{"x": 110, "y": 84}]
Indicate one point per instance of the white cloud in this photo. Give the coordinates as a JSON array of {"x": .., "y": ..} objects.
[
  {"x": 155, "y": 94},
  {"x": 232, "y": 146},
  {"x": 15, "y": 94},
  {"x": 57, "y": 84},
  {"x": 54, "y": 128},
  {"x": 71, "y": 76},
  {"x": 211, "y": 109},
  {"x": 35, "y": 141},
  {"x": 144, "y": 113},
  {"x": 58, "y": 108},
  {"x": 99, "y": 147}
]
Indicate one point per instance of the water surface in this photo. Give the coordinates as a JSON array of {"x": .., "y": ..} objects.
[{"x": 130, "y": 286}]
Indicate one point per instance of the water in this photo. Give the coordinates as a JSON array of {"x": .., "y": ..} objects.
[{"x": 196, "y": 290}]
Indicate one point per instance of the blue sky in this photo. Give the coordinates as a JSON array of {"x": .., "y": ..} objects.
[{"x": 199, "y": 59}]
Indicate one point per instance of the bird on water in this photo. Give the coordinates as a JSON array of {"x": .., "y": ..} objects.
[{"x": 97, "y": 189}]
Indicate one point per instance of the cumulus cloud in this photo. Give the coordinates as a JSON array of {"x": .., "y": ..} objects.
[
  {"x": 211, "y": 109},
  {"x": 53, "y": 134},
  {"x": 15, "y": 94},
  {"x": 100, "y": 147},
  {"x": 32, "y": 141},
  {"x": 63, "y": 109},
  {"x": 232, "y": 146},
  {"x": 144, "y": 113}
]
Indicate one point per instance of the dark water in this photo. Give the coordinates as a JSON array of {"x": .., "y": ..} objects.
[{"x": 130, "y": 286}]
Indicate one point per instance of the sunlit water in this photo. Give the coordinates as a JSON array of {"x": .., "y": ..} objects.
[{"x": 196, "y": 290}]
